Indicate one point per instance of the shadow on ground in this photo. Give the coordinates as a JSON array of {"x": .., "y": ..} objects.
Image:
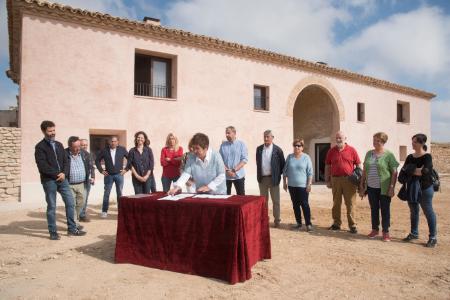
[
  {"x": 325, "y": 232},
  {"x": 102, "y": 250},
  {"x": 37, "y": 225}
]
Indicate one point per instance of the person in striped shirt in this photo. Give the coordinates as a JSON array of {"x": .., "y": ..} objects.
[{"x": 378, "y": 180}]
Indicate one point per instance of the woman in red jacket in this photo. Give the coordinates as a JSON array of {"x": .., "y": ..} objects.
[{"x": 171, "y": 156}]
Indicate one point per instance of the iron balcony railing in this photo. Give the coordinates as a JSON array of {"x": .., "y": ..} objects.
[{"x": 147, "y": 89}]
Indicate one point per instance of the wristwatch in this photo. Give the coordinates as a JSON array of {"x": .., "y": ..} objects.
[{"x": 233, "y": 170}]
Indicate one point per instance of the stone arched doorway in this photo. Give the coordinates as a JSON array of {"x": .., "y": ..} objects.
[{"x": 316, "y": 118}]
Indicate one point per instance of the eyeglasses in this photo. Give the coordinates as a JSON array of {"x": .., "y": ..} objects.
[{"x": 298, "y": 146}]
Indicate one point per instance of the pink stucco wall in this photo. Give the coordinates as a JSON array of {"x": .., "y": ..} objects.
[{"x": 82, "y": 79}]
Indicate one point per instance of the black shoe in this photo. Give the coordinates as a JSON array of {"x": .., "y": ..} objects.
[
  {"x": 296, "y": 226},
  {"x": 334, "y": 227},
  {"x": 353, "y": 230},
  {"x": 77, "y": 232},
  {"x": 276, "y": 225},
  {"x": 431, "y": 243},
  {"x": 84, "y": 219},
  {"x": 54, "y": 236},
  {"x": 410, "y": 237}
]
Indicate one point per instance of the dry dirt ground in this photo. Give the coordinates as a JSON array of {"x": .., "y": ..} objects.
[{"x": 322, "y": 264}]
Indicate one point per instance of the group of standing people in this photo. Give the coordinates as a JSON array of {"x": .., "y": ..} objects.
[
  {"x": 378, "y": 181},
  {"x": 204, "y": 170}
]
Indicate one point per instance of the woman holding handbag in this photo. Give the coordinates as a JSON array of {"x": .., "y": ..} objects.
[
  {"x": 422, "y": 172},
  {"x": 378, "y": 180}
]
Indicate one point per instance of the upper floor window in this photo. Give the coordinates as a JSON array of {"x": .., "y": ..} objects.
[
  {"x": 361, "y": 117},
  {"x": 152, "y": 76},
  {"x": 402, "y": 112},
  {"x": 261, "y": 97}
]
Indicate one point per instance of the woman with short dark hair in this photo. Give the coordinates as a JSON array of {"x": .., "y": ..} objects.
[
  {"x": 423, "y": 163},
  {"x": 206, "y": 169},
  {"x": 297, "y": 177},
  {"x": 141, "y": 163}
]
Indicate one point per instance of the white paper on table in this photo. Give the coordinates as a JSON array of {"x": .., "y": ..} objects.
[
  {"x": 176, "y": 197},
  {"x": 209, "y": 196},
  {"x": 139, "y": 195}
]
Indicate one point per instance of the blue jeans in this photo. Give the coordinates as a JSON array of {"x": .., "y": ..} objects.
[
  {"x": 144, "y": 187},
  {"x": 379, "y": 202},
  {"x": 83, "y": 210},
  {"x": 426, "y": 202},
  {"x": 166, "y": 182},
  {"x": 299, "y": 198},
  {"x": 63, "y": 188},
  {"x": 109, "y": 181}
]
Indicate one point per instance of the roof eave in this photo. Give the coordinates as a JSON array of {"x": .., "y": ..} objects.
[{"x": 16, "y": 8}]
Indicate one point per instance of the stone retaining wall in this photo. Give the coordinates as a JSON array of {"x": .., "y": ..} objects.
[
  {"x": 10, "y": 138},
  {"x": 441, "y": 158}
]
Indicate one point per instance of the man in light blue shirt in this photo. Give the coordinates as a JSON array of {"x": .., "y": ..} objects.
[{"x": 235, "y": 156}]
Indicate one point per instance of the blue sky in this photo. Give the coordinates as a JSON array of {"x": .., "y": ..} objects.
[{"x": 404, "y": 41}]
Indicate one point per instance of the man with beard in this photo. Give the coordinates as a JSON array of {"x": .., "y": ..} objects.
[
  {"x": 53, "y": 167},
  {"x": 235, "y": 156},
  {"x": 340, "y": 162}
]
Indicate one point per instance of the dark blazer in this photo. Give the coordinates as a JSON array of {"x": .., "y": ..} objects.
[
  {"x": 84, "y": 158},
  {"x": 91, "y": 163},
  {"x": 105, "y": 155},
  {"x": 47, "y": 162},
  {"x": 276, "y": 163}
]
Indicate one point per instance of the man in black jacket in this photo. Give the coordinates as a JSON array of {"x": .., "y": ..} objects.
[
  {"x": 269, "y": 165},
  {"x": 53, "y": 166},
  {"x": 113, "y": 157}
]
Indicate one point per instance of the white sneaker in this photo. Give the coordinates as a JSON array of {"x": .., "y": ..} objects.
[{"x": 104, "y": 215}]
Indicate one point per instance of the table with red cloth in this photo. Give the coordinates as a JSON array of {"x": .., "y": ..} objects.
[{"x": 219, "y": 238}]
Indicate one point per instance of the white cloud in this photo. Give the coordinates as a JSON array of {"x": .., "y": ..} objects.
[
  {"x": 116, "y": 8},
  {"x": 440, "y": 118},
  {"x": 409, "y": 48},
  {"x": 298, "y": 28},
  {"x": 410, "y": 45}
]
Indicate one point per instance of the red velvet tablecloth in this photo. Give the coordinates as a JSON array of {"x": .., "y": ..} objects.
[{"x": 219, "y": 238}]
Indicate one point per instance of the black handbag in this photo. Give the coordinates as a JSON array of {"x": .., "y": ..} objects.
[
  {"x": 355, "y": 178},
  {"x": 435, "y": 180},
  {"x": 402, "y": 194}
]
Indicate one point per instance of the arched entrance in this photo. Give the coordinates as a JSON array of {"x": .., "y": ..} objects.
[{"x": 316, "y": 118}]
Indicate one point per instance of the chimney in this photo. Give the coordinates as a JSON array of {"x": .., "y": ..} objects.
[{"x": 152, "y": 21}]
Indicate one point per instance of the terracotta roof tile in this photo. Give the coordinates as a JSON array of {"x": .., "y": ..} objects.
[{"x": 88, "y": 18}]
